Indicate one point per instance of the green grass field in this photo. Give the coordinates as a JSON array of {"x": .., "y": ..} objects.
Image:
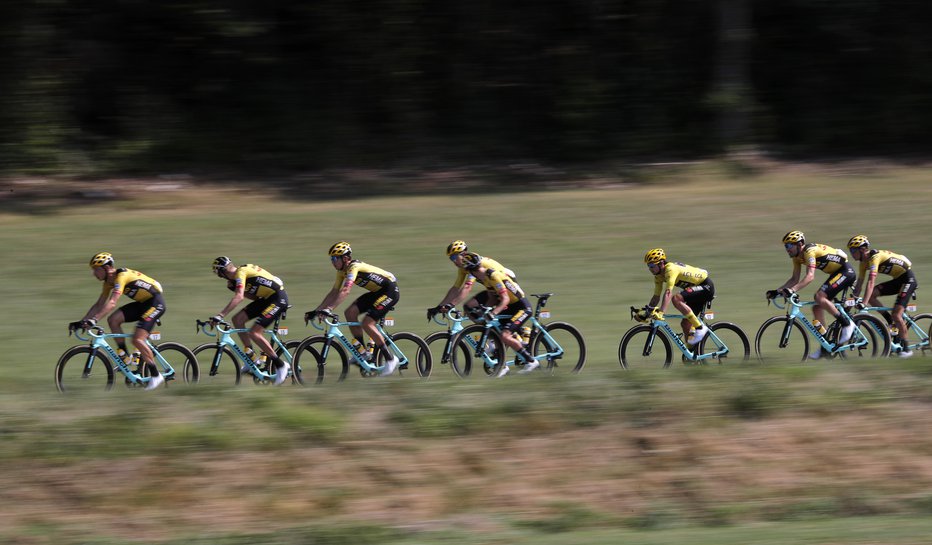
[{"x": 828, "y": 452}]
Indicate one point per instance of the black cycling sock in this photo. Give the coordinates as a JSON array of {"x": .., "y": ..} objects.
[
  {"x": 526, "y": 355},
  {"x": 153, "y": 370},
  {"x": 277, "y": 362},
  {"x": 844, "y": 319},
  {"x": 887, "y": 316}
]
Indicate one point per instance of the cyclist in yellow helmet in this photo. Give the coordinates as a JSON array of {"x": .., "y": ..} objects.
[
  {"x": 833, "y": 262},
  {"x": 382, "y": 295},
  {"x": 505, "y": 296},
  {"x": 147, "y": 307},
  {"x": 902, "y": 285},
  {"x": 268, "y": 301},
  {"x": 465, "y": 281},
  {"x": 696, "y": 291}
]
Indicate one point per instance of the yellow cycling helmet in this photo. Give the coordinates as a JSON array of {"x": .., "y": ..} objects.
[
  {"x": 655, "y": 256},
  {"x": 101, "y": 259},
  {"x": 858, "y": 241},
  {"x": 340, "y": 248},
  {"x": 793, "y": 237},
  {"x": 456, "y": 247}
]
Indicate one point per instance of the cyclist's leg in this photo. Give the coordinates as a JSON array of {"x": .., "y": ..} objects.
[
  {"x": 145, "y": 321},
  {"x": 692, "y": 300},
  {"x": 520, "y": 311},
  {"x": 471, "y": 307},
  {"x": 907, "y": 285},
  {"x": 116, "y": 320},
  {"x": 265, "y": 313}
]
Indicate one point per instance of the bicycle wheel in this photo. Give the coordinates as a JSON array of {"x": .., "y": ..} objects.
[
  {"x": 918, "y": 336},
  {"x": 441, "y": 351},
  {"x": 313, "y": 353},
  {"x": 83, "y": 369},
  {"x": 778, "y": 337},
  {"x": 465, "y": 346},
  {"x": 562, "y": 336},
  {"x": 219, "y": 363},
  {"x": 875, "y": 331},
  {"x": 732, "y": 337},
  {"x": 415, "y": 350},
  {"x": 179, "y": 357},
  {"x": 291, "y": 346},
  {"x": 642, "y": 347}
]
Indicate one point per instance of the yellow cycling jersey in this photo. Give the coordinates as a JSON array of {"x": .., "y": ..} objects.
[
  {"x": 882, "y": 261},
  {"x": 464, "y": 278},
  {"x": 821, "y": 257},
  {"x": 680, "y": 275},
  {"x": 257, "y": 282},
  {"x": 133, "y": 284},
  {"x": 498, "y": 281},
  {"x": 363, "y": 275}
]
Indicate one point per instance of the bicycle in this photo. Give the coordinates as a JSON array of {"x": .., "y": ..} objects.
[
  {"x": 918, "y": 326},
  {"x": 779, "y": 332},
  {"x": 321, "y": 347},
  {"x": 453, "y": 321},
  {"x": 639, "y": 347},
  {"x": 228, "y": 360},
  {"x": 75, "y": 370},
  {"x": 484, "y": 342}
]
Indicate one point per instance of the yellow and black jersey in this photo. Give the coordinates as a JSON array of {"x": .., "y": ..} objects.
[
  {"x": 498, "y": 281},
  {"x": 821, "y": 257},
  {"x": 464, "y": 278},
  {"x": 133, "y": 284},
  {"x": 680, "y": 275},
  {"x": 257, "y": 282},
  {"x": 363, "y": 275},
  {"x": 882, "y": 261}
]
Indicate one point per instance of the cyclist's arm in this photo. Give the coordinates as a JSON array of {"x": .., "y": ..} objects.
[
  {"x": 238, "y": 296},
  {"x": 869, "y": 288},
  {"x": 502, "y": 301},
  {"x": 455, "y": 295},
  {"x": 336, "y": 296},
  {"x": 103, "y": 306},
  {"x": 810, "y": 275},
  {"x": 794, "y": 278},
  {"x": 664, "y": 300}
]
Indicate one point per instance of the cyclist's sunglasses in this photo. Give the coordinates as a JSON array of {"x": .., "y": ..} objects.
[
  {"x": 335, "y": 258},
  {"x": 454, "y": 256},
  {"x": 789, "y": 245}
]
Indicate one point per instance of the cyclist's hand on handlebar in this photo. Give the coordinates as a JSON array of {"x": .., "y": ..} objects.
[
  {"x": 75, "y": 325},
  {"x": 309, "y": 316},
  {"x": 214, "y": 320},
  {"x": 771, "y": 294},
  {"x": 432, "y": 311},
  {"x": 786, "y": 292},
  {"x": 656, "y": 314},
  {"x": 489, "y": 316},
  {"x": 641, "y": 315}
]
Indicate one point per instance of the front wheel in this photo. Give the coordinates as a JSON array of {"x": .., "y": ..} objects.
[
  {"x": 179, "y": 357},
  {"x": 730, "y": 339},
  {"x": 326, "y": 356},
  {"x": 562, "y": 344},
  {"x": 467, "y": 351},
  {"x": 780, "y": 337},
  {"x": 220, "y": 365},
  {"x": 441, "y": 350},
  {"x": 918, "y": 336},
  {"x": 643, "y": 347},
  {"x": 871, "y": 337},
  {"x": 83, "y": 369}
]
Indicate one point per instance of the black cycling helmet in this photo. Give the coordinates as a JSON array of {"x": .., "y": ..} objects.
[
  {"x": 220, "y": 264},
  {"x": 471, "y": 260}
]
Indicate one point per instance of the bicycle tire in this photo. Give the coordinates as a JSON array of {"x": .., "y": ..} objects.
[
  {"x": 574, "y": 347},
  {"x": 83, "y": 361},
  {"x": 421, "y": 358},
  {"x": 878, "y": 336},
  {"x": 734, "y": 350},
  {"x": 441, "y": 351},
  {"x": 185, "y": 360},
  {"x": 221, "y": 365},
  {"x": 924, "y": 323},
  {"x": 769, "y": 337},
  {"x": 312, "y": 347},
  {"x": 493, "y": 354},
  {"x": 633, "y": 350}
]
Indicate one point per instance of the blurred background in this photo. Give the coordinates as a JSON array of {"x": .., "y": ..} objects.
[{"x": 125, "y": 85}]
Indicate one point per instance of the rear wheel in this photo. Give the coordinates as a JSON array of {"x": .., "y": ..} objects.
[
  {"x": 415, "y": 350},
  {"x": 441, "y": 352},
  {"x": 644, "y": 347},
  {"x": 182, "y": 360},
  {"x": 83, "y": 369},
  {"x": 874, "y": 331},
  {"x": 732, "y": 337},
  {"x": 563, "y": 339}
]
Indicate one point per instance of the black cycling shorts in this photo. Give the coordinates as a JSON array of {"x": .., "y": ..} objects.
[
  {"x": 838, "y": 281},
  {"x": 145, "y": 313},
  {"x": 520, "y": 312},
  {"x": 376, "y": 304},
  {"x": 266, "y": 310},
  {"x": 696, "y": 297},
  {"x": 904, "y": 286}
]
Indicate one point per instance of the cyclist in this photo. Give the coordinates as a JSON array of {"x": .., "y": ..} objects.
[
  {"x": 147, "y": 307},
  {"x": 903, "y": 283},
  {"x": 697, "y": 291},
  {"x": 511, "y": 301},
  {"x": 268, "y": 301},
  {"x": 833, "y": 262},
  {"x": 382, "y": 296},
  {"x": 464, "y": 283}
]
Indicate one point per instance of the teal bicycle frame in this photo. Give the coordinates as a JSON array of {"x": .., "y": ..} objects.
[
  {"x": 912, "y": 324},
  {"x": 263, "y": 374}
]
